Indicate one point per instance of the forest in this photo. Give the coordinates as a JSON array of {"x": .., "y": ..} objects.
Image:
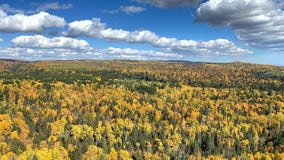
[{"x": 123, "y": 110}]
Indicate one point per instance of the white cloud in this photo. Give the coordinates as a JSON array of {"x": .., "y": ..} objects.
[
  {"x": 169, "y": 3},
  {"x": 33, "y": 23},
  {"x": 128, "y": 53},
  {"x": 89, "y": 28},
  {"x": 260, "y": 23},
  {"x": 2, "y": 14},
  {"x": 54, "y": 6},
  {"x": 39, "y": 47},
  {"x": 114, "y": 11},
  {"x": 1, "y": 40},
  {"x": 6, "y": 8},
  {"x": 66, "y": 54},
  {"x": 94, "y": 28},
  {"x": 39, "y": 41},
  {"x": 132, "y": 9},
  {"x": 212, "y": 47},
  {"x": 44, "y": 54},
  {"x": 126, "y": 9}
]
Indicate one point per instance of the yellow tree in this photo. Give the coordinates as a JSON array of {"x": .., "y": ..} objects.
[
  {"x": 93, "y": 153},
  {"x": 5, "y": 124},
  {"x": 20, "y": 122}
]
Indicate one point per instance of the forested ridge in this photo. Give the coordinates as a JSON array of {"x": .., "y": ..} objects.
[{"x": 88, "y": 109}]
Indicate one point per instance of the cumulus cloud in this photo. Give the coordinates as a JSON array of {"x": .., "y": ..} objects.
[
  {"x": 53, "y": 6},
  {"x": 39, "y": 47},
  {"x": 1, "y": 40},
  {"x": 66, "y": 54},
  {"x": 89, "y": 28},
  {"x": 132, "y": 9},
  {"x": 128, "y": 53},
  {"x": 169, "y": 3},
  {"x": 33, "y": 23},
  {"x": 260, "y": 23},
  {"x": 212, "y": 47},
  {"x": 96, "y": 29},
  {"x": 44, "y": 54},
  {"x": 41, "y": 42}
]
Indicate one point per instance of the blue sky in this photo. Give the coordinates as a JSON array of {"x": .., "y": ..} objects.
[{"x": 212, "y": 30}]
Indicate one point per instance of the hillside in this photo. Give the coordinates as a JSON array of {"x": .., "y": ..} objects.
[{"x": 92, "y": 109}]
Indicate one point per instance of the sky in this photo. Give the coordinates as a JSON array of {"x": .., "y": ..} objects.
[{"x": 190, "y": 30}]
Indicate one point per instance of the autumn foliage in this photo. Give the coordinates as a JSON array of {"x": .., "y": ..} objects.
[{"x": 122, "y": 110}]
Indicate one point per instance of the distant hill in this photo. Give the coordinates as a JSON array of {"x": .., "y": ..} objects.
[
  {"x": 10, "y": 60},
  {"x": 4, "y": 60}
]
